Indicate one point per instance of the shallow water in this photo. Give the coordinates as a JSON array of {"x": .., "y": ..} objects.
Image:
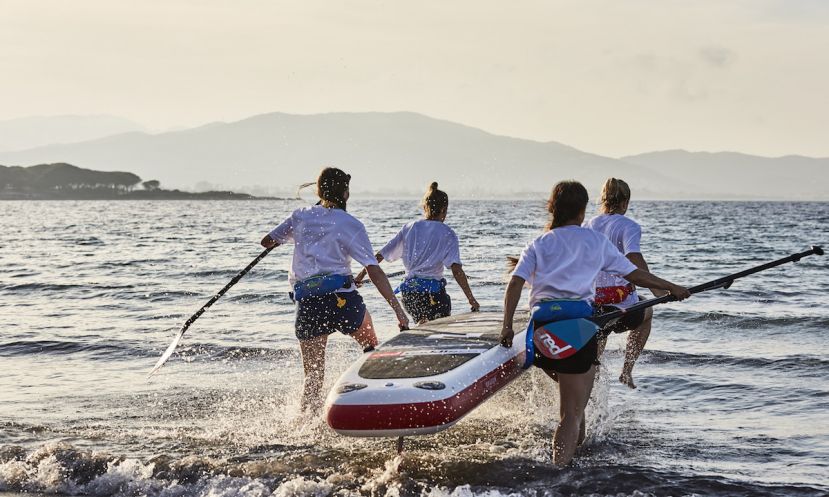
[{"x": 733, "y": 396}]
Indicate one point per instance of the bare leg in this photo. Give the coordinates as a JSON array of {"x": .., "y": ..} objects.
[
  {"x": 365, "y": 335},
  {"x": 574, "y": 393},
  {"x": 635, "y": 344},
  {"x": 313, "y": 361}
]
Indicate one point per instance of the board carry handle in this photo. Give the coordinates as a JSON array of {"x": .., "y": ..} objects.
[{"x": 724, "y": 282}]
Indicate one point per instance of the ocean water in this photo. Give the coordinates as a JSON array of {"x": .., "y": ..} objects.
[{"x": 733, "y": 397}]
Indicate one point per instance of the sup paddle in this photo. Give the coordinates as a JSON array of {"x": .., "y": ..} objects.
[
  {"x": 563, "y": 338},
  {"x": 389, "y": 276},
  {"x": 194, "y": 317}
]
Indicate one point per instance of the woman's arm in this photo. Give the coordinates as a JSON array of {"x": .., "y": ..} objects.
[
  {"x": 646, "y": 279},
  {"x": 511, "y": 298},
  {"x": 358, "y": 280},
  {"x": 381, "y": 282},
  {"x": 460, "y": 277},
  {"x": 638, "y": 260}
]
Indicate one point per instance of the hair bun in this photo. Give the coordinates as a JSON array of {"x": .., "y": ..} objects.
[{"x": 433, "y": 186}]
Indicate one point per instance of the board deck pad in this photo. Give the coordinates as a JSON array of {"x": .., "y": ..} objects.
[{"x": 432, "y": 348}]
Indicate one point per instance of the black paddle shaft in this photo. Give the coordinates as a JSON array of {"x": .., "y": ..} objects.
[
  {"x": 724, "y": 282},
  {"x": 224, "y": 290},
  {"x": 390, "y": 275}
]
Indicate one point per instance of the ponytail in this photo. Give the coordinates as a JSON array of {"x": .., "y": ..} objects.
[
  {"x": 512, "y": 263},
  {"x": 567, "y": 200},
  {"x": 615, "y": 195},
  {"x": 435, "y": 201},
  {"x": 332, "y": 187}
]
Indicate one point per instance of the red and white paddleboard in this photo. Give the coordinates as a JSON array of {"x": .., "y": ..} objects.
[{"x": 426, "y": 379}]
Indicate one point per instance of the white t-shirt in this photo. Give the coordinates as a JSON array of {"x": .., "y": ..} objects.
[
  {"x": 563, "y": 263},
  {"x": 426, "y": 247},
  {"x": 326, "y": 240},
  {"x": 625, "y": 234}
]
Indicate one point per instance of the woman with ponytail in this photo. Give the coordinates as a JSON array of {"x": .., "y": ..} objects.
[
  {"x": 611, "y": 291},
  {"x": 560, "y": 266},
  {"x": 426, "y": 247},
  {"x": 326, "y": 238}
]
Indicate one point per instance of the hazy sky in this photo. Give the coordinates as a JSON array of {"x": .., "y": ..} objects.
[{"x": 612, "y": 77}]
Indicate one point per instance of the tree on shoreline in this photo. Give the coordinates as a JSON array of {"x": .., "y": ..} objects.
[
  {"x": 153, "y": 184},
  {"x": 61, "y": 176}
]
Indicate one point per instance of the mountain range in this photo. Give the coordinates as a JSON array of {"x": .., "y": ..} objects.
[
  {"x": 30, "y": 132},
  {"x": 399, "y": 153}
]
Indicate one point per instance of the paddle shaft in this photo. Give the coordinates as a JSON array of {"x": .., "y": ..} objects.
[
  {"x": 390, "y": 275},
  {"x": 224, "y": 290},
  {"x": 724, "y": 282}
]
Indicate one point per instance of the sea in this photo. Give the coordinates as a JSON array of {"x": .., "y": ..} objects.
[{"x": 732, "y": 397}]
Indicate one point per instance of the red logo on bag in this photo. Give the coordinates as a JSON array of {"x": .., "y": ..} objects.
[{"x": 552, "y": 346}]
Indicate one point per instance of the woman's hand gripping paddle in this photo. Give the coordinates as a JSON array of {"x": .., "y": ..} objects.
[
  {"x": 561, "y": 339},
  {"x": 194, "y": 317}
]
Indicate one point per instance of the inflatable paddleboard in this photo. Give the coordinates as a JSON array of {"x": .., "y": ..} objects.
[{"x": 426, "y": 379}]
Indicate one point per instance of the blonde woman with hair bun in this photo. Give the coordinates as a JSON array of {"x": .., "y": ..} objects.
[
  {"x": 614, "y": 292},
  {"x": 427, "y": 246}
]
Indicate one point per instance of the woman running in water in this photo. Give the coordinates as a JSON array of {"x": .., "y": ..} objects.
[
  {"x": 624, "y": 233},
  {"x": 326, "y": 238},
  {"x": 561, "y": 266},
  {"x": 426, "y": 247}
]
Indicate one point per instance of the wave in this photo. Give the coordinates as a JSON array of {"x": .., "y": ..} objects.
[
  {"x": 236, "y": 353},
  {"x": 801, "y": 365},
  {"x": 59, "y": 347},
  {"x": 110, "y": 350},
  {"x": 276, "y": 275},
  {"x": 738, "y": 321},
  {"x": 61, "y": 469},
  {"x": 133, "y": 263},
  {"x": 268, "y": 296},
  {"x": 90, "y": 241},
  {"x": 25, "y": 288}
]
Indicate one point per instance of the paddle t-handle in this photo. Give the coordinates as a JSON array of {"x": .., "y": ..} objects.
[{"x": 724, "y": 282}]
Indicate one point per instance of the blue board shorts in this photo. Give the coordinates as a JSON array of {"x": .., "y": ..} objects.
[
  {"x": 427, "y": 306},
  {"x": 318, "y": 315}
]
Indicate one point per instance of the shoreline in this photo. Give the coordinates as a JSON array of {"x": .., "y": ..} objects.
[{"x": 140, "y": 195}]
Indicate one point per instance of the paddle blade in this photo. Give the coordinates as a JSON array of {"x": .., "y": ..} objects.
[
  {"x": 561, "y": 339},
  {"x": 167, "y": 353}
]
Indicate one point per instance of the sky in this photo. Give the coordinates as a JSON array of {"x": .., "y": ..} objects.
[{"x": 613, "y": 77}]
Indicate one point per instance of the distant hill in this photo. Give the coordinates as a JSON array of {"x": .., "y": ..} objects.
[
  {"x": 30, "y": 132},
  {"x": 399, "y": 153},
  {"x": 385, "y": 152},
  {"x": 735, "y": 174}
]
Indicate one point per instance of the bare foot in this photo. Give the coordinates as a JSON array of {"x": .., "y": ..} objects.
[{"x": 627, "y": 379}]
